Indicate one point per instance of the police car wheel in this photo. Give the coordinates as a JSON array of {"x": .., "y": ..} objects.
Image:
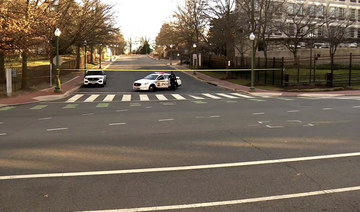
[{"x": 152, "y": 88}]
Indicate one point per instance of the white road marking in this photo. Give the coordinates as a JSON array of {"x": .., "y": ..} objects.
[
  {"x": 109, "y": 98},
  {"x": 144, "y": 97},
  {"x": 211, "y": 96},
  {"x": 226, "y": 95},
  {"x": 149, "y": 107},
  {"x": 115, "y": 124},
  {"x": 57, "y": 129},
  {"x": 161, "y": 120},
  {"x": 242, "y": 95},
  {"x": 91, "y": 98},
  {"x": 124, "y": 110},
  {"x": 196, "y": 97},
  {"x": 240, "y": 201},
  {"x": 75, "y": 98},
  {"x": 178, "y": 97},
  {"x": 308, "y": 125},
  {"x": 3, "y": 134},
  {"x": 181, "y": 168},
  {"x": 126, "y": 98},
  {"x": 274, "y": 127},
  {"x": 1, "y": 122},
  {"x": 356, "y": 106},
  {"x": 328, "y": 108},
  {"x": 262, "y": 113},
  {"x": 263, "y": 122},
  {"x": 87, "y": 114},
  {"x": 296, "y": 121},
  {"x": 217, "y": 116},
  {"x": 47, "y": 118},
  {"x": 293, "y": 111},
  {"x": 161, "y": 97}
]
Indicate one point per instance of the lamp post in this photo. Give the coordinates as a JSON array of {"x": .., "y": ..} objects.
[
  {"x": 311, "y": 35},
  {"x": 100, "y": 55},
  {"x": 170, "y": 56},
  {"x": 57, "y": 87},
  {"x": 85, "y": 57},
  {"x": 252, "y": 38},
  {"x": 196, "y": 63}
]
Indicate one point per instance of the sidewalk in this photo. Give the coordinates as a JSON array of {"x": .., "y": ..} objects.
[{"x": 68, "y": 87}]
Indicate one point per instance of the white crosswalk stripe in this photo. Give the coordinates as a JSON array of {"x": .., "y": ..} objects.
[
  {"x": 92, "y": 98},
  {"x": 126, "y": 98},
  {"x": 196, "y": 97},
  {"x": 227, "y": 96},
  {"x": 144, "y": 97},
  {"x": 75, "y": 98},
  {"x": 161, "y": 97},
  {"x": 242, "y": 95},
  {"x": 211, "y": 96},
  {"x": 152, "y": 97},
  {"x": 178, "y": 97},
  {"x": 109, "y": 98}
]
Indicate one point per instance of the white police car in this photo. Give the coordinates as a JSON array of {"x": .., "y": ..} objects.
[
  {"x": 156, "y": 80},
  {"x": 95, "y": 77}
]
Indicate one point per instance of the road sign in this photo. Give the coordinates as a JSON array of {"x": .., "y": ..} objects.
[{"x": 60, "y": 60}]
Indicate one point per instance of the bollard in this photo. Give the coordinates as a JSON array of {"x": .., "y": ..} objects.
[{"x": 8, "y": 82}]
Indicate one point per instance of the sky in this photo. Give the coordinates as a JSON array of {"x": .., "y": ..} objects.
[{"x": 142, "y": 18}]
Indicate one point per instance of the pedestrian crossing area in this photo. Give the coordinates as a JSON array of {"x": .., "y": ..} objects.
[{"x": 152, "y": 97}]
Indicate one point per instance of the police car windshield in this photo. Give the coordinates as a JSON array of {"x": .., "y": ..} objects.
[{"x": 151, "y": 77}]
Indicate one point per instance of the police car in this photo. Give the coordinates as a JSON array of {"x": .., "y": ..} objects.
[
  {"x": 95, "y": 77},
  {"x": 156, "y": 80}
]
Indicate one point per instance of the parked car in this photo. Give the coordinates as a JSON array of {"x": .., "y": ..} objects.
[
  {"x": 95, "y": 77},
  {"x": 154, "y": 81}
]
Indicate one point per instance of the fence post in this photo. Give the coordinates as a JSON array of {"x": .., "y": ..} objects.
[
  {"x": 350, "y": 68},
  {"x": 273, "y": 72},
  {"x": 298, "y": 70},
  {"x": 282, "y": 71},
  {"x": 258, "y": 72}
]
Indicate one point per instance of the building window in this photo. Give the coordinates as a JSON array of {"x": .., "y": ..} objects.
[
  {"x": 353, "y": 1},
  {"x": 351, "y": 32},
  {"x": 352, "y": 14},
  {"x": 333, "y": 12},
  {"x": 341, "y": 13},
  {"x": 312, "y": 10},
  {"x": 320, "y": 10},
  {"x": 358, "y": 15},
  {"x": 319, "y": 31},
  {"x": 358, "y": 33}
]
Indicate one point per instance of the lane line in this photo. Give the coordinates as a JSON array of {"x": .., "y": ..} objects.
[
  {"x": 238, "y": 202},
  {"x": 38, "y": 107},
  {"x": 126, "y": 98},
  {"x": 109, "y": 98},
  {"x": 47, "y": 118},
  {"x": 216, "y": 116},
  {"x": 161, "y": 97},
  {"x": 161, "y": 120},
  {"x": 242, "y": 95},
  {"x": 178, "y": 97},
  {"x": 3, "y": 134},
  {"x": 115, "y": 124},
  {"x": 261, "y": 113},
  {"x": 75, "y": 98},
  {"x": 7, "y": 108},
  {"x": 294, "y": 121},
  {"x": 144, "y": 97},
  {"x": 274, "y": 127},
  {"x": 71, "y": 106},
  {"x": 56, "y": 129},
  {"x": 87, "y": 114},
  {"x": 102, "y": 105},
  {"x": 123, "y": 110},
  {"x": 356, "y": 106},
  {"x": 181, "y": 168},
  {"x": 328, "y": 108},
  {"x": 293, "y": 111},
  {"x": 92, "y": 98}
]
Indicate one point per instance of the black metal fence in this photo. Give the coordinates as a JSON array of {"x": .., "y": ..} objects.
[{"x": 315, "y": 71}]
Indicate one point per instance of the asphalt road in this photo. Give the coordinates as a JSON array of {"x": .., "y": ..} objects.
[{"x": 231, "y": 153}]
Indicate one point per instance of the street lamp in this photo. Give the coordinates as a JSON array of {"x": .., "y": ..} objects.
[
  {"x": 196, "y": 59},
  {"x": 85, "y": 57},
  {"x": 57, "y": 87},
  {"x": 311, "y": 35},
  {"x": 100, "y": 55},
  {"x": 252, "y": 38},
  {"x": 170, "y": 56}
]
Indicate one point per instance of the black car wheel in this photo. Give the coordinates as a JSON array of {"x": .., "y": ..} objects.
[{"x": 152, "y": 88}]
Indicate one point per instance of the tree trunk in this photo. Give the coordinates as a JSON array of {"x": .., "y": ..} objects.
[
  {"x": 78, "y": 57},
  {"x": 2, "y": 65},
  {"x": 24, "y": 69},
  {"x": 92, "y": 55}
]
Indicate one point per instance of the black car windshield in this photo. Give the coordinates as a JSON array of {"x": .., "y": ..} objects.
[
  {"x": 151, "y": 77},
  {"x": 94, "y": 73}
]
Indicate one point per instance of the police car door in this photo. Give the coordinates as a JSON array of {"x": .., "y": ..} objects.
[{"x": 161, "y": 82}]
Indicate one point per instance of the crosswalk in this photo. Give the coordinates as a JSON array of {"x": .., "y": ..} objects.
[{"x": 152, "y": 97}]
